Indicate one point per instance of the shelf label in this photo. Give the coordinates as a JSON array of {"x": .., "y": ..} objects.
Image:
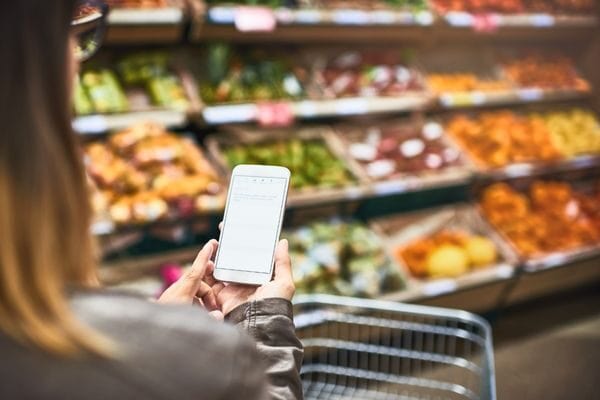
[
  {"x": 353, "y": 192},
  {"x": 485, "y": 23},
  {"x": 542, "y": 20},
  {"x": 351, "y": 106},
  {"x": 389, "y": 187},
  {"x": 308, "y": 17},
  {"x": 438, "y": 287},
  {"x": 504, "y": 271},
  {"x": 350, "y": 17},
  {"x": 221, "y": 15},
  {"x": 461, "y": 19},
  {"x": 383, "y": 17},
  {"x": 275, "y": 114},
  {"x": 229, "y": 113},
  {"x": 461, "y": 99},
  {"x": 424, "y": 18},
  {"x": 530, "y": 94},
  {"x": 306, "y": 108},
  {"x": 90, "y": 124},
  {"x": 255, "y": 19},
  {"x": 102, "y": 227}
]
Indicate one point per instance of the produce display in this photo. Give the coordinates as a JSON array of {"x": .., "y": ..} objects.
[
  {"x": 412, "y": 5},
  {"x": 145, "y": 173},
  {"x": 341, "y": 258},
  {"x": 495, "y": 139},
  {"x": 392, "y": 150},
  {"x": 447, "y": 253},
  {"x": 465, "y": 82},
  {"x": 516, "y": 6},
  {"x": 367, "y": 74},
  {"x": 105, "y": 91},
  {"x": 249, "y": 77},
  {"x": 311, "y": 162},
  {"x": 551, "y": 217},
  {"x": 574, "y": 132},
  {"x": 545, "y": 72}
]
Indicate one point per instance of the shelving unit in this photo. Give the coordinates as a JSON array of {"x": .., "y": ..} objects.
[{"x": 580, "y": 35}]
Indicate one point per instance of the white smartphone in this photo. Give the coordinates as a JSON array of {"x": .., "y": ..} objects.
[{"x": 252, "y": 224}]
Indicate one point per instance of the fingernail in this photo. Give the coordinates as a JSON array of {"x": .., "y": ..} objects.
[{"x": 284, "y": 243}]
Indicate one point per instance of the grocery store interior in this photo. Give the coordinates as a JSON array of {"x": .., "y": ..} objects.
[{"x": 443, "y": 153}]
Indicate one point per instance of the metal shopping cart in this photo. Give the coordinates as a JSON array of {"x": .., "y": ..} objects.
[{"x": 369, "y": 349}]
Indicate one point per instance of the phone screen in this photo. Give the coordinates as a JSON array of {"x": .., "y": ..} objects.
[{"x": 251, "y": 225}]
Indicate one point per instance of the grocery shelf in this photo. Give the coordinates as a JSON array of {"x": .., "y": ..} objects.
[
  {"x": 560, "y": 259},
  {"x": 99, "y": 123},
  {"x": 451, "y": 100},
  {"x": 146, "y": 16},
  {"x": 145, "y": 25},
  {"x": 534, "y": 20}
]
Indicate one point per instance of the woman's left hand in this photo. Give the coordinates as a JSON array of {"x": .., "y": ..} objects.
[{"x": 192, "y": 286}]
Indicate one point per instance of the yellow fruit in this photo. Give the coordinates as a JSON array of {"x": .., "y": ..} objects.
[
  {"x": 481, "y": 251},
  {"x": 447, "y": 261}
]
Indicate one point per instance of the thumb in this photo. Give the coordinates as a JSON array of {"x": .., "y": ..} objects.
[
  {"x": 283, "y": 264},
  {"x": 192, "y": 279}
]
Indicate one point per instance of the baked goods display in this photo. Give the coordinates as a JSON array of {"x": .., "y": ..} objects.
[
  {"x": 366, "y": 74},
  {"x": 145, "y": 173},
  {"x": 550, "y": 217},
  {"x": 342, "y": 258},
  {"x": 495, "y": 139},
  {"x": 465, "y": 82},
  {"x": 238, "y": 77},
  {"x": 574, "y": 132},
  {"x": 544, "y": 72},
  {"x": 447, "y": 253},
  {"x": 392, "y": 150},
  {"x": 311, "y": 162}
]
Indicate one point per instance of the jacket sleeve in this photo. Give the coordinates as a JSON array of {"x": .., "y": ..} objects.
[{"x": 270, "y": 323}]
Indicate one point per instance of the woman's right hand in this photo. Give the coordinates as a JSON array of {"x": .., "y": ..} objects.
[{"x": 231, "y": 295}]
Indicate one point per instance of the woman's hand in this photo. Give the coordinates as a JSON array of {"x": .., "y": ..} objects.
[
  {"x": 229, "y": 296},
  {"x": 192, "y": 285}
]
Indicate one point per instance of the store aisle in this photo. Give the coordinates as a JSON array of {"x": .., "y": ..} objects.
[{"x": 550, "y": 349}]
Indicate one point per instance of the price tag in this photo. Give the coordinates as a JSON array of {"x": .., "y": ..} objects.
[
  {"x": 284, "y": 15},
  {"x": 275, "y": 114},
  {"x": 90, "y": 124},
  {"x": 221, "y": 15},
  {"x": 306, "y": 108},
  {"x": 478, "y": 98},
  {"x": 438, "y": 287},
  {"x": 383, "y": 17},
  {"x": 541, "y": 20},
  {"x": 459, "y": 99},
  {"x": 389, "y": 187},
  {"x": 351, "y": 106},
  {"x": 229, "y": 113},
  {"x": 461, "y": 19},
  {"x": 350, "y": 17},
  {"x": 353, "y": 193},
  {"x": 308, "y": 17},
  {"x": 530, "y": 94},
  {"x": 424, "y": 18},
  {"x": 255, "y": 19},
  {"x": 102, "y": 227},
  {"x": 504, "y": 271},
  {"x": 485, "y": 23}
]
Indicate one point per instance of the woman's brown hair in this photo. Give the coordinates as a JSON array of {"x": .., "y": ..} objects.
[{"x": 45, "y": 244}]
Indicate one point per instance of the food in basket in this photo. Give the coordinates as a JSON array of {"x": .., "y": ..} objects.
[
  {"x": 312, "y": 164},
  {"x": 574, "y": 132},
  {"x": 99, "y": 91},
  {"x": 146, "y": 173},
  {"x": 551, "y": 218},
  {"x": 392, "y": 150},
  {"x": 545, "y": 72},
  {"x": 367, "y": 74},
  {"x": 341, "y": 258},
  {"x": 235, "y": 77},
  {"x": 495, "y": 139},
  {"x": 447, "y": 253},
  {"x": 464, "y": 82}
]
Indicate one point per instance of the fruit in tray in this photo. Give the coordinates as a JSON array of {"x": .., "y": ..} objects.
[
  {"x": 552, "y": 217},
  {"x": 145, "y": 172},
  {"x": 341, "y": 258},
  {"x": 535, "y": 71},
  {"x": 249, "y": 77},
  {"x": 102, "y": 90},
  {"x": 312, "y": 164},
  {"x": 447, "y": 253},
  {"x": 574, "y": 132},
  {"x": 464, "y": 82},
  {"x": 367, "y": 74},
  {"x": 495, "y": 139},
  {"x": 516, "y": 6},
  {"x": 393, "y": 150},
  {"x": 137, "y": 3},
  {"x": 412, "y": 5}
]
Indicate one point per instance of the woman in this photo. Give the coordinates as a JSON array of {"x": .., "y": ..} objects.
[{"x": 60, "y": 336}]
